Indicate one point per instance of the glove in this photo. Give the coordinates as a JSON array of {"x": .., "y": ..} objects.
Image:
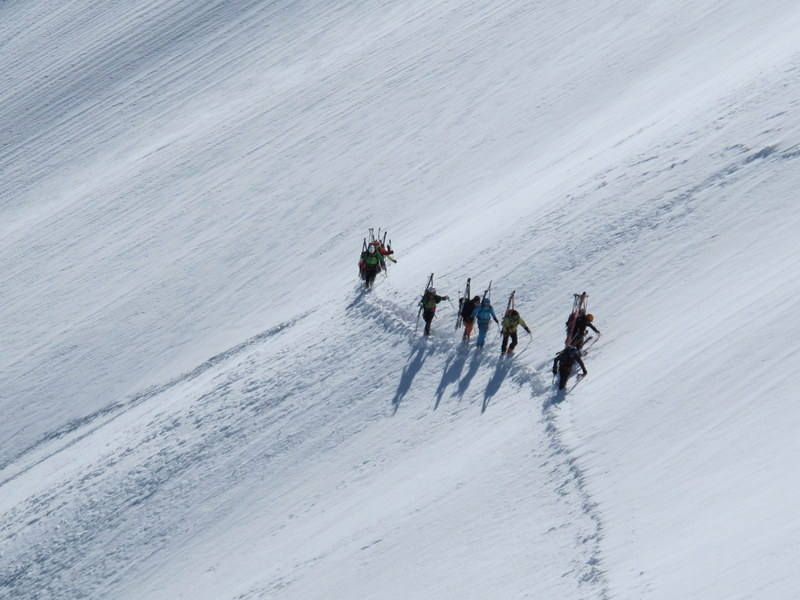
[
  {"x": 585, "y": 373},
  {"x": 554, "y": 370},
  {"x": 528, "y": 330}
]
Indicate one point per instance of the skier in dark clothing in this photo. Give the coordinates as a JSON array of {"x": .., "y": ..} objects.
[
  {"x": 370, "y": 264},
  {"x": 564, "y": 362},
  {"x": 467, "y": 308},
  {"x": 428, "y": 303},
  {"x": 582, "y": 323}
]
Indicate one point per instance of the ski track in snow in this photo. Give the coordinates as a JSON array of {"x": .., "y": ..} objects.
[
  {"x": 194, "y": 141},
  {"x": 78, "y": 532},
  {"x": 78, "y": 429},
  {"x": 567, "y": 471}
]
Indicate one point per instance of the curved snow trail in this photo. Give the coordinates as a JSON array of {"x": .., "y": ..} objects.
[
  {"x": 78, "y": 429},
  {"x": 588, "y": 561},
  {"x": 247, "y": 449}
]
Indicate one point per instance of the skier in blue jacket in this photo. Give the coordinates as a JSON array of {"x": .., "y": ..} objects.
[{"x": 483, "y": 314}]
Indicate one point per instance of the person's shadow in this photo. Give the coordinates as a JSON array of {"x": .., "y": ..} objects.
[
  {"x": 500, "y": 372},
  {"x": 451, "y": 373},
  {"x": 464, "y": 382},
  {"x": 407, "y": 377}
]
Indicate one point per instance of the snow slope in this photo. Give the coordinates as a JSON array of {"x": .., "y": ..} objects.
[{"x": 200, "y": 401}]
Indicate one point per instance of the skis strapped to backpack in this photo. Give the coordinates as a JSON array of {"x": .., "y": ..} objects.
[
  {"x": 379, "y": 240},
  {"x": 428, "y": 286},
  {"x": 487, "y": 292},
  {"x": 579, "y": 303},
  {"x": 461, "y": 300},
  {"x": 510, "y": 305}
]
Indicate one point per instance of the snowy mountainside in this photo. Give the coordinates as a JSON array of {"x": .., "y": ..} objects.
[{"x": 199, "y": 400}]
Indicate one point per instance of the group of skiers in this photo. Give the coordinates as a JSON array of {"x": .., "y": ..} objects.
[{"x": 479, "y": 310}]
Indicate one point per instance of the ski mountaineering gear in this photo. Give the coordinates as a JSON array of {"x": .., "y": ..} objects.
[
  {"x": 511, "y": 321},
  {"x": 579, "y": 321},
  {"x": 564, "y": 362},
  {"x": 461, "y": 299},
  {"x": 428, "y": 305},
  {"x": 467, "y": 308},
  {"x": 483, "y": 314},
  {"x": 578, "y": 304},
  {"x": 381, "y": 245},
  {"x": 373, "y": 255},
  {"x": 582, "y": 322},
  {"x": 370, "y": 264}
]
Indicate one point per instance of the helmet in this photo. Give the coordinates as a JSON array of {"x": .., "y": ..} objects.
[
  {"x": 432, "y": 290},
  {"x": 371, "y": 248},
  {"x": 513, "y": 312},
  {"x": 486, "y": 301},
  {"x": 476, "y": 299},
  {"x": 590, "y": 318}
]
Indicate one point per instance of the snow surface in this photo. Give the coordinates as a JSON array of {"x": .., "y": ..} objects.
[{"x": 200, "y": 402}]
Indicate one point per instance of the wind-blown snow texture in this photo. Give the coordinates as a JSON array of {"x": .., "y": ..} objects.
[{"x": 200, "y": 402}]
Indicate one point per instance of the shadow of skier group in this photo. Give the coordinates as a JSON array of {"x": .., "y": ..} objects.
[{"x": 454, "y": 374}]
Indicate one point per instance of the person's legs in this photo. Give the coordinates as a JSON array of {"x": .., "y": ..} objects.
[
  {"x": 428, "y": 317},
  {"x": 513, "y": 345},
  {"x": 468, "y": 325},
  {"x": 482, "y": 330}
]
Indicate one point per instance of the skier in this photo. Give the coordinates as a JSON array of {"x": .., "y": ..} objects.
[
  {"x": 467, "y": 308},
  {"x": 483, "y": 314},
  {"x": 511, "y": 321},
  {"x": 370, "y": 264},
  {"x": 582, "y": 322},
  {"x": 428, "y": 303},
  {"x": 564, "y": 362}
]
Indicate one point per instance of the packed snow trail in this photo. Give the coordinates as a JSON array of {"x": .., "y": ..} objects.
[{"x": 178, "y": 462}]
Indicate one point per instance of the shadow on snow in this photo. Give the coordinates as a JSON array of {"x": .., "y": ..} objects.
[
  {"x": 407, "y": 377},
  {"x": 500, "y": 372},
  {"x": 452, "y": 372}
]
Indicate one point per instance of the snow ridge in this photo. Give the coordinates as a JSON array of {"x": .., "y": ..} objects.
[{"x": 78, "y": 429}]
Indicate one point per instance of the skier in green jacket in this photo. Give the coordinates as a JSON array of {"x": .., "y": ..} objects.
[
  {"x": 370, "y": 264},
  {"x": 428, "y": 303}
]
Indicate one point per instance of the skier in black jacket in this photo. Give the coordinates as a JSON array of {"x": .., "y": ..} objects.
[
  {"x": 564, "y": 362},
  {"x": 467, "y": 308},
  {"x": 582, "y": 323}
]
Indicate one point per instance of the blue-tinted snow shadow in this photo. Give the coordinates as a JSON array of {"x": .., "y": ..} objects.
[
  {"x": 452, "y": 372},
  {"x": 464, "y": 382},
  {"x": 409, "y": 372},
  {"x": 554, "y": 398},
  {"x": 500, "y": 372},
  {"x": 360, "y": 293}
]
